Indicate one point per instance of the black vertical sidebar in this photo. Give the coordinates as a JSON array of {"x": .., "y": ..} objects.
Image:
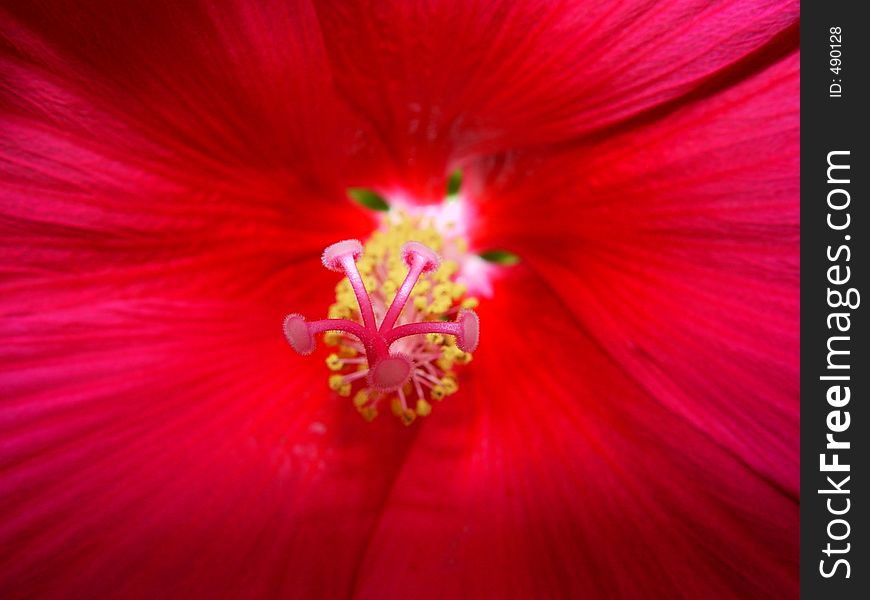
[{"x": 835, "y": 368}]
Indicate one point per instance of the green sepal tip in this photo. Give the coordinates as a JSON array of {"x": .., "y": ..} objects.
[
  {"x": 500, "y": 257},
  {"x": 368, "y": 198},
  {"x": 454, "y": 182}
]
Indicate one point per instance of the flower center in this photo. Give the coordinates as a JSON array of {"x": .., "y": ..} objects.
[{"x": 401, "y": 323}]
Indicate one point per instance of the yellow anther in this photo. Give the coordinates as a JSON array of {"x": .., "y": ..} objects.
[
  {"x": 365, "y": 265},
  {"x": 423, "y": 408},
  {"x": 470, "y": 303},
  {"x": 345, "y": 351},
  {"x": 445, "y": 364},
  {"x": 369, "y": 413},
  {"x": 422, "y": 287},
  {"x": 338, "y": 311},
  {"x": 335, "y": 382},
  {"x": 396, "y": 407},
  {"x": 435, "y": 338},
  {"x": 438, "y": 392},
  {"x": 408, "y": 416},
  {"x": 459, "y": 290},
  {"x": 331, "y": 338},
  {"x": 361, "y": 398},
  {"x": 449, "y": 384},
  {"x": 442, "y": 289},
  {"x": 389, "y": 287},
  {"x": 451, "y": 352},
  {"x": 464, "y": 358},
  {"x": 346, "y": 299},
  {"x": 344, "y": 391},
  {"x": 445, "y": 271},
  {"x": 334, "y": 362},
  {"x": 461, "y": 245},
  {"x": 420, "y": 302},
  {"x": 439, "y": 306}
]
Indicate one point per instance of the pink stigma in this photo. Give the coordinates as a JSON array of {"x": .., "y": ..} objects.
[
  {"x": 391, "y": 373},
  {"x": 388, "y": 371}
]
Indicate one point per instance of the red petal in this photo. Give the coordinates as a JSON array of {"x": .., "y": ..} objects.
[
  {"x": 159, "y": 436},
  {"x": 677, "y": 247},
  {"x": 569, "y": 480},
  {"x": 185, "y": 85},
  {"x": 444, "y": 81}
]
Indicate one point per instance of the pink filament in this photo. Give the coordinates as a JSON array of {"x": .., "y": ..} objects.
[{"x": 417, "y": 265}]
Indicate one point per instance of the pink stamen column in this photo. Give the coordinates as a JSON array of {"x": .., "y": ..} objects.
[{"x": 388, "y": 371}]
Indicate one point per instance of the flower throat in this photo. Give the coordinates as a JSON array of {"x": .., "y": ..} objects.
[{"x": 401, "y": 324}]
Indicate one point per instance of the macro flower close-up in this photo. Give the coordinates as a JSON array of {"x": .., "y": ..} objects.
[{"x": 400, "y": 299}]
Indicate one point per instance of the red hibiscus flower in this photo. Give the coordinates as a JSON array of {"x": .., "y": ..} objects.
[{"x": 171, "y": 173}]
